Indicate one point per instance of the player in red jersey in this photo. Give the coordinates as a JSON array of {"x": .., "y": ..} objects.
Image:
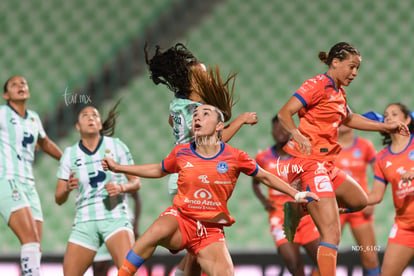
[
  {"x": 208, "y": 170},
  {"x": 322, "y": 107},
  {"x": 273, "y": 160},
  {"x": 357, "y": 153},
  {"x": 395, "y": 165}
]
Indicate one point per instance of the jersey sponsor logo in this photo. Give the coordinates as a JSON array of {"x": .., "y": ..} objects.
[
  {"x": 202, "y": 193},
  {"x": 202, "y": 201},
  {"x": 222, "y": 167},
  {"x": 323, "y": 183},
  {"x": 405, "y": 188},
  {"x": 27, "y": 139},
  {"x": 222, "y": 182},
  {"x": 95, "y": 179},
  {"x": 321, "y": 168},
  {"x": 188, "y": 165},
  {"x": 203, "y": 178}
]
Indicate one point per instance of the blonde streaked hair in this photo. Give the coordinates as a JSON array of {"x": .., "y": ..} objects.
[{"x": 213, "y": 90}]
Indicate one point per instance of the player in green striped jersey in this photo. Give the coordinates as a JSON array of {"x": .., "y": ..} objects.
[
  {"x": 101, "y": 211},
  {"x": 21, "y": 131}
]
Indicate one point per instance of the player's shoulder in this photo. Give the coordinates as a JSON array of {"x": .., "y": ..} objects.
[
  {"x": 383, "y": 153},
  {"x": 262, "y": 152}
]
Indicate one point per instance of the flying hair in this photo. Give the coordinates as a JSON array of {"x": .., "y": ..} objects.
[{"x": 213, "y": 90}]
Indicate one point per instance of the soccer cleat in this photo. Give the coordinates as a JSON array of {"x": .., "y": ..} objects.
[{"x": 293, "y": 214}]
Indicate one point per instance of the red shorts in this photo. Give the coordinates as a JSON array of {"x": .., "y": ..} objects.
[
  {"x": 319, "y": 177},
  {"x": 305, "y": 233},
  {"x": 196, "y": 234},
  {"x": 355, "y": 219},
  {"x": 401, "y": 236}
]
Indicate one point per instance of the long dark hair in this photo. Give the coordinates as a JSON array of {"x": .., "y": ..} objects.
[
  {"x": 386, "y": 140},
  {"x": 171, "y": 68},
  {"x": 213, "y": 90},
  {"x": 108, "y": 126}
]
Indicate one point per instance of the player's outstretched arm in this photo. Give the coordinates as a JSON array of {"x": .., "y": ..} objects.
[
  {"x": 147, "y": 171},
  {"x": 231, "y": 129}
]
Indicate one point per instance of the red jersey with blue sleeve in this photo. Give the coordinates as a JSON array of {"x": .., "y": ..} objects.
[
  {"x": 388, "y": 169},
  {"x": 354, "y": 160},
  {"x": 275, "y": 164},
  {"x": 206, "y": 184},
  {"x": 324, "y": 109}
]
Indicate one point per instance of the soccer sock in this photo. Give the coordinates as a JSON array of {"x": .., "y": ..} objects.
[
  {"x": 131, "y": 264},
  {"x": 326, "y": 258},
  {"x": 179, "y": 272},
  {"x": 372, "y": 271},
  {"x": 30, "y": 259}
]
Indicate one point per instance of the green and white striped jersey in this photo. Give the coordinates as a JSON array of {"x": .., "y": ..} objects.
[
  {"x": 92, "y": 200},
  {"x": 181, "y": 112},
  {"x": 18, "y": 139}
]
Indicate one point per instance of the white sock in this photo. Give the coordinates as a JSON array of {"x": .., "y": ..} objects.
[
  {"x": 179, "y": 272},
  {"x": 30, "y": 259}
]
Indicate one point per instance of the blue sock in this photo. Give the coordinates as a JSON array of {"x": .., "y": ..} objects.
[
  {"x": 372, "y": 272},
  {"x": 134, "y": 259}
]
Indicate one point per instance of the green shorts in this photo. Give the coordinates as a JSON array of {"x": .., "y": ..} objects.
[
  {"x": 102, "y": 254},
  {"x": 93, "y": 234},
  {"x": 16, "y": 195}
]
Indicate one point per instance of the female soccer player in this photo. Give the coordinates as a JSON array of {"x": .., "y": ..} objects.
[
  {"x": 101, "y": 215},
  {"x": 208, "y": 170},
  {"x": 21, "y": 131},
  {"x": 356, "y": 154},
  {"x": 174, "y": 68},
  {"x": 275, "y": 160},
  {"x": 322, "y": 107},
  {"x": 395, "y": 165}
]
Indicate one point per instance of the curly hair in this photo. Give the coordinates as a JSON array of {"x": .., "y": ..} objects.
[
  {"x": 213, "y": 90},
  {"x": 386, "y": 140},
  {"x": 171, "y": 68}
]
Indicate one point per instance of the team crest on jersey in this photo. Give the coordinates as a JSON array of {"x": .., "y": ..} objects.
[
  {"x": 222, "y": 167},
  {"x": 16, "y": 195},
  {"x": 357, "y": 153},
  {"x": 411, "y": 155},
  {"x": 108, "y": 153}
]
